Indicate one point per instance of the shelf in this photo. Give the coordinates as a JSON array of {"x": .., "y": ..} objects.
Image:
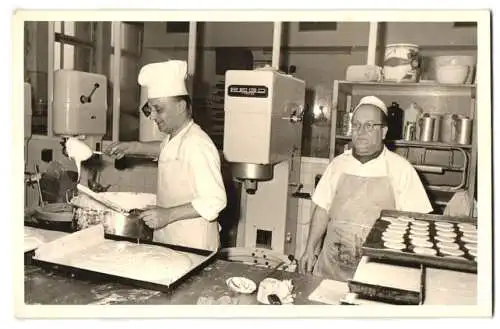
[
  {"x": 407, "y": 88},
  {"x": 439, "y": 145}
]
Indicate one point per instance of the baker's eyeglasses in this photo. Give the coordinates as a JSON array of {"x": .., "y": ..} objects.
[{"x": 367, "y": 126}]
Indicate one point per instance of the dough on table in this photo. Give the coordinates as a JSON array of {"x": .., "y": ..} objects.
[
  {"x": 393, "y": 239},
  {"x": 422, "y": 234},
  {"x": 468, "y": 231},
  {"x": 469, "y": 239},
  {"x": 419, "y": 237},
  {"x": 445, "y": 229},
  {"x": 405, "y": 219},
  {"x": 137, "y": 261},
  {"x": 424, "y": 251},
  {"x": 422, "y": 243},
  {"x": 395, "y": 231},
  {"x": 446, "y": 234},
  {"x": 451, "y": 251},
  {"x": 420, "y": 223},
  {"x": 471, "y": 246},
  {"x": 467, "y": 226},
  {"x": 444, "y": 238},
  {"x": 32, "y": 239},
  {"x": 420, "y": 230},
  {"x": 403, "y": 226},
  {"x": 395, "y": 234},
  {"x": 125, "y": 200},
  {"x": 395, "y": 246},
  {"x": 388, "y": 219},
  {"x": 448, "y": 245},
  {"x": 470, "y": 235},
  {"x": 443, "y": 224}
]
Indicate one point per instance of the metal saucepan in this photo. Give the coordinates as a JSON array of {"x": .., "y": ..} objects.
[
  {"x": 114, "y": 223},
  {"x": 88, "y": 211}
]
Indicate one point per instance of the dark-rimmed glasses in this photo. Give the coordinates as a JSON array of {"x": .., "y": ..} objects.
[{"x": 367, "y": 126}]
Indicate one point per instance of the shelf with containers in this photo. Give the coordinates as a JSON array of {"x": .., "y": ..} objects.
[{"x": 444, "y": 167}]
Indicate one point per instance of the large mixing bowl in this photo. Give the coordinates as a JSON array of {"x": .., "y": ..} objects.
[
  {"x": 431, "y": 65},
  {"x": 114, "y": 223},
  {"x": 452, "y": 74},
  {"x": 89, "y": 212}
]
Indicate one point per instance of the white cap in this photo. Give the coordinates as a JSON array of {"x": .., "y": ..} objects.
[
  {"x": 164, "y": 79},
  {"x": 371, "y": 100}
]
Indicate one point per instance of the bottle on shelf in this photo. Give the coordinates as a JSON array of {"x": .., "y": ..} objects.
[{"x": 395, "y": 118}]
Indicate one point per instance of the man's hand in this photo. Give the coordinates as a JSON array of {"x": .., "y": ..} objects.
[
  {"x": 155, "y": 217},
  {"x": 119, "y": 149},
  {"x": 307, "y": 261}
]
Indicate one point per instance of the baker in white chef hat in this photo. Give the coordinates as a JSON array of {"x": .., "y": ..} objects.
[
  {"x": 190, "y": 191},
  {"x": 356, "y": 186},
  {"x": 165, "y": 84}
]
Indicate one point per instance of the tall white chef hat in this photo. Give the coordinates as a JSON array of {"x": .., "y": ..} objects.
[
  {"x": 164, "y": 79},
  {"x": 371, "y": 100}
]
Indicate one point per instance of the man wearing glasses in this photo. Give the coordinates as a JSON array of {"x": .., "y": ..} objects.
[
  {"x": 190, "y": 190},
  {"x": 355, "y": 187}
]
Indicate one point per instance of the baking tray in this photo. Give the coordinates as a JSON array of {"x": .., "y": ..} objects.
[
  {"x": 28, "y": 254},
  {"x": 383, "y": 294},
  {"x": 374, "y": 245},
  {"x": 95, "y": 276}
]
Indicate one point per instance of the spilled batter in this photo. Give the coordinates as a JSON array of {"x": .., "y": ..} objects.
[{"x": 78, "y": 151}]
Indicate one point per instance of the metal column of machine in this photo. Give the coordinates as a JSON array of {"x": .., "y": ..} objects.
[{"x": 262, "y": 141}]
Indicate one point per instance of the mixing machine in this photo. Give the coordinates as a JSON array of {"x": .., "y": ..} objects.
[
  {"x": 262, "y": 141},
  {"x": 79, "y": 107}
]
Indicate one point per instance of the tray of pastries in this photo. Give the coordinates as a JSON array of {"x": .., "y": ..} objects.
[{"x": 434, "y": 240}]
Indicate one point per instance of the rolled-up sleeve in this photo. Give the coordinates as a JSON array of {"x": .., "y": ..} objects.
[{"x": 210, "y": 194}]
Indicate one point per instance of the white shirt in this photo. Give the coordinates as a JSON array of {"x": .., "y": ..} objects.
[
  {"x": 409, "y": 193},
  {"x": 194, "y": 147}
]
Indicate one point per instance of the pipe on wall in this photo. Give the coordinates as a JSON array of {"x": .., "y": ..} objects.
[
  {"x": 276, "y": 44},
  {"x": 50, "y": 77},
  {"x": 372, "y": 43},
  {"x": 116, "y": 78},
  {"x": 192, "y": 48}
]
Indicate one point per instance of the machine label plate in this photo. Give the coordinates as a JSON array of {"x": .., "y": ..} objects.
[{"x": 248, "y": 91}]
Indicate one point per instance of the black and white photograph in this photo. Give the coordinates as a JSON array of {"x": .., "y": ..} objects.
[{"x": 289, "y": 163}]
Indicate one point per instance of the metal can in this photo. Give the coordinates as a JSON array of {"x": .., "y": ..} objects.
[
  {"x": 409, "y": 132},
  {"x": 347, "y": 124}
]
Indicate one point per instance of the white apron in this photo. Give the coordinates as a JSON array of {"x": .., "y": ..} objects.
[
  {"x": 174, "y": 189},
  {"x": 354, "y": 209}
]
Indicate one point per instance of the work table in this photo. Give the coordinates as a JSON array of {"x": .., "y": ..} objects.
[{"x": 44, "y": 287}]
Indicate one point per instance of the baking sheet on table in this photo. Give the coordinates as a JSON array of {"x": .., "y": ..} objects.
[
  {"x": 58, "y": 255},
  {"x": 374, "y": 245},
  {"x": 34, "y": 237},
  {"x": 329, "y": 292}
]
